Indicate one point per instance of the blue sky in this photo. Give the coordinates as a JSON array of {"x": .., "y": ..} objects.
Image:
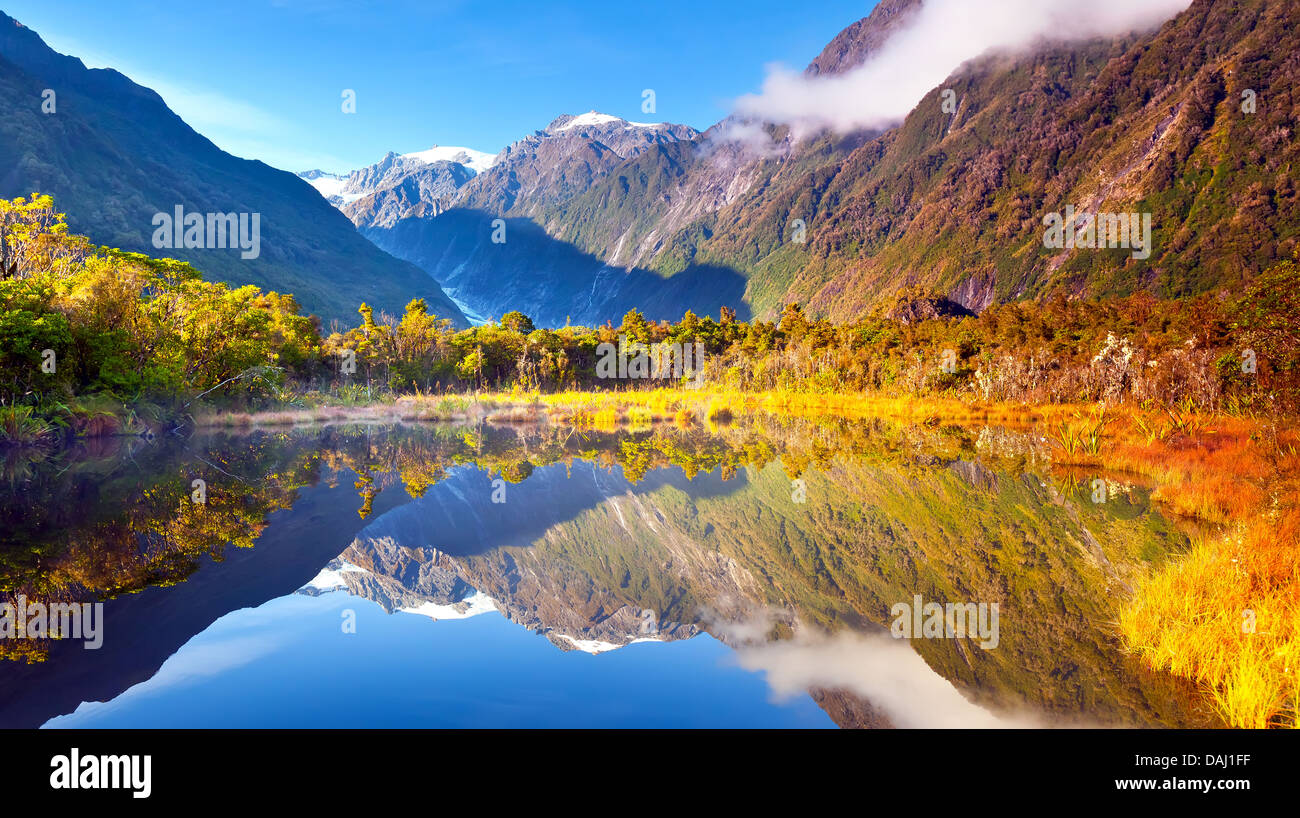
[{"x": 264, "y": 79}]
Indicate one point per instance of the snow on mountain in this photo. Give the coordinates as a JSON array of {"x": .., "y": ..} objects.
[
  {"x": 330, "y": 185},
  {"x": 331, "y": 579},
  {"x": 344, "y": 188},
  {"x": 595, "y": 646},
  {"x": 593, "y": 119},
  {"x": 477, "y": 161}
]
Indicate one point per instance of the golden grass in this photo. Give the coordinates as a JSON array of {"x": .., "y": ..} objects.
[
  {"x": 721, "y": 406},
  {"x": 1226, "y": 614}
]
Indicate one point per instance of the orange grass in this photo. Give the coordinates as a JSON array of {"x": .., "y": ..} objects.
[{"x": 1226, "y": 614}]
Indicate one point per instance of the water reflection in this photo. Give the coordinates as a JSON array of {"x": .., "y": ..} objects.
[{"x": 768, "y": 553}]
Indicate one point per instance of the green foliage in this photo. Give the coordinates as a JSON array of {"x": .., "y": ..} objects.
[
  {"x": 516, "y": 321},
  {"x": 141, "y": 329},
  {"x": 74, "y": 322}
]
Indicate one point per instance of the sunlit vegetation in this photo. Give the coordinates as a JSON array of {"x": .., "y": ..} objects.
[
  {"x": 1228, "y": 613},
  {"x": 102, "y": 341}
]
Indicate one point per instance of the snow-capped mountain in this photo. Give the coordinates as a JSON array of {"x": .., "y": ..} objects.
[
  {"x": 434, "y": 206},
  {"x": 593, "y": 119},
  {"x": 477, "y": 161},
  {"x": 330, "y": 185},
  {"x": 544, "y": 158},
  {"x": 394, "y": 168}
]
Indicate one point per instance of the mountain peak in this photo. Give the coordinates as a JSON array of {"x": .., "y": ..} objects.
[
  {"x": 594, "y": 119},
  {"x": 477, "y": 161},
  {"x": 854, "y": 44}
]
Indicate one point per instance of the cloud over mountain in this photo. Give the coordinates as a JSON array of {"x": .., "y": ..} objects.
[{"x": 941, "y": 36}]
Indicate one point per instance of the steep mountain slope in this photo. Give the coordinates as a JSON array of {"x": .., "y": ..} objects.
[
  {"x": 861, "y": 40},
  {"x": 446, "y": 225},
  {"x": 113, "y": 155},
  {"x": 1153, "y": 126},
  {"x": 551, "y": 281},
  {"x": 1192, "y": 124},
  {"x": 562, "y": 160},
  {"x": 956, "y": 201},
  {"x": 406, "y": 188}
]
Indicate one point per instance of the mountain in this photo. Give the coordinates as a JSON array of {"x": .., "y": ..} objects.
[
  {"x": 441, "y": 215},
  {"x": 562, "y": 160},
  {"x": 475, "y": 161},
  {"x": 329, "y": 185},
  {"x": 113, "y": 155},
  {"x": 440, "y": 171},
  {"x": 953, "y": 201},
  {"x": 861, "y": 40},
  {"x": 398, "y": 187}
]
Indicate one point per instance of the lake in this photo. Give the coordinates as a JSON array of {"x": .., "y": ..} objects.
[{"x": 776, "y": 572}]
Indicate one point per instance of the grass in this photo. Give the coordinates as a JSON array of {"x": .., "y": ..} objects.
[
  {"x": 20, "y": 427},
  {"x": 1227, "y": 614},
  {"x": 1082, "y": 436}
]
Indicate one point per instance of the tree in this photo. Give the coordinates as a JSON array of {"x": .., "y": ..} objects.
[
  {"x": 793, "y": 323},
  {"x": 635, "y": 327},
  {"x": 516, "y": 321}
]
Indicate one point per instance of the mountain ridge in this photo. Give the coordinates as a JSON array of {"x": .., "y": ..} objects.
[
  {"x": 952, "y": 202},
  {"x": 113, "y": 155}
]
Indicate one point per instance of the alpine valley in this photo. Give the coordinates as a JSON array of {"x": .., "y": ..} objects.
[{"x": 604, "y": 215}]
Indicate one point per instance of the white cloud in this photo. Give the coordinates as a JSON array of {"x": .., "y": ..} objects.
[
  {"x": 943, "y": 35},
  {"x": 746, "y": 136}
]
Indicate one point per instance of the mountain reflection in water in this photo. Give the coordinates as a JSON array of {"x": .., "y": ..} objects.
[{"x": 740, "y": 575}]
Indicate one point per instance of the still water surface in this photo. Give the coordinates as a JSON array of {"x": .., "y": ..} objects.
[{"x": 476, "y": 576}]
